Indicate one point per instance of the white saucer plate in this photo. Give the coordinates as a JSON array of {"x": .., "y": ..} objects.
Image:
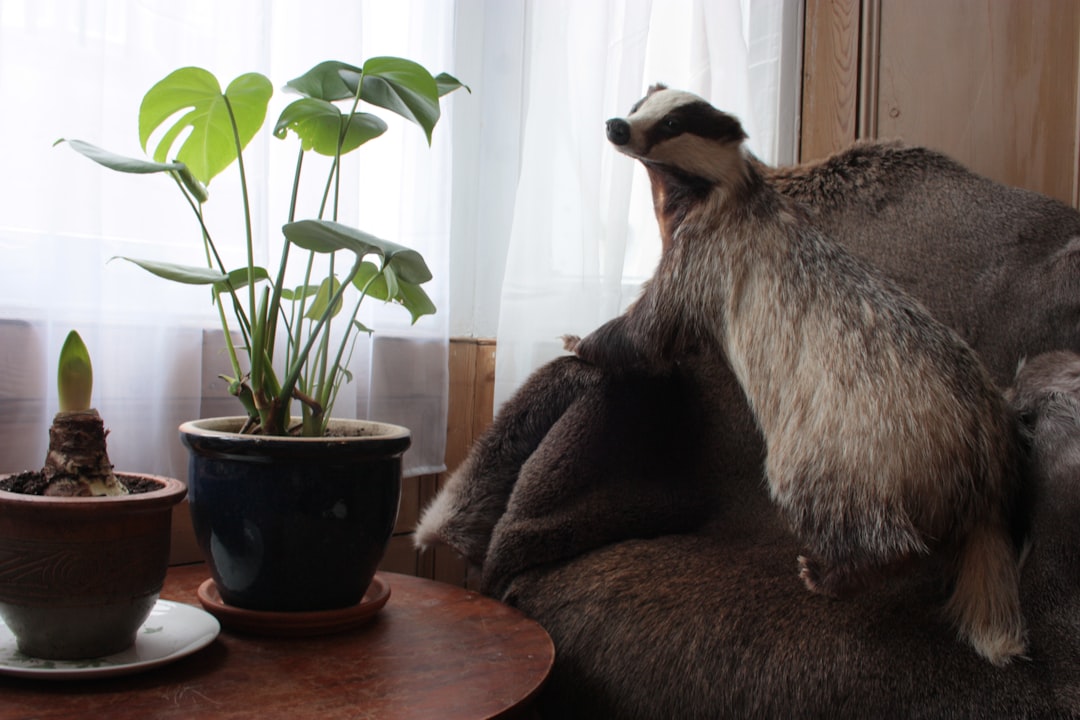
[{"x": 172, "y": 631}]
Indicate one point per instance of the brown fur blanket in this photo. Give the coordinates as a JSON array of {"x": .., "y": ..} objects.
[{"x": 628, "y": 515}]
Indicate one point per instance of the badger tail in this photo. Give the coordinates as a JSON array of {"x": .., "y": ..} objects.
[{"x": 985, "y": 603}]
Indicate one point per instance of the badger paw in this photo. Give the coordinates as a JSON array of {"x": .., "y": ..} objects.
[
  {"x": 810, "y": 574},
  {"x": 828, "y": 581},
  {"x": 844, "y": 580}
]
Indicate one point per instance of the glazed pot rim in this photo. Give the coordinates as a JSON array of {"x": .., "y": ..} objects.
[
  {"x": 218, "y": 436},
  {"x": 216, "y": 427},
  {"x": 172, "y": 492}
]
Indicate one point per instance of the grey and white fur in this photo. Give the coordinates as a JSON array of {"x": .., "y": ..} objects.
[{"x": 887, "y": 440}]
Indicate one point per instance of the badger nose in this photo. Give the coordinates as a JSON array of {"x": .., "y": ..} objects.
[{"x": 618, "y": 131}]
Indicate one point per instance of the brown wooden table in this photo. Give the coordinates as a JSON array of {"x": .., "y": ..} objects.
[{"x": 434, "y": 652}]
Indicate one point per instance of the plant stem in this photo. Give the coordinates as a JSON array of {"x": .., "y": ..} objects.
[
  {"x": 294, "y": 372},
  {"x": 324, "y": 347},
  {"x": 247, "y": 206},
  {"x": 279, "y": 282},
  {"x": 210, "y": 248},
  {"x": 328, "y": 397}
]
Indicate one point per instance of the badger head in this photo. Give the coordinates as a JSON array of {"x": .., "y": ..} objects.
[{"x": 682, "y": 132}]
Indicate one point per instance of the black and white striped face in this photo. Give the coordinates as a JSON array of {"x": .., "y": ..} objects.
[{"x": 682, "y": 131}]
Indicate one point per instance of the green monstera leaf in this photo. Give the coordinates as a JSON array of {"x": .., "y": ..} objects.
[
  {"x": 326, "y": 81},
  {"x": 209, "y": 113},
  {"x": 324, "y": 236},
  {"x": 385, "y": 285},
  {"x": 397, "y": 278},
  {"x": 327, "y": 291},
  {"x": 448, "y": 83},
  {"x": 403, "y": 87},
  {"x": 184, "y": 274},
  {"x": 399, "y": 85},
  {"x": 319, "y": 124},
  {"x": 120, "y": 163}
]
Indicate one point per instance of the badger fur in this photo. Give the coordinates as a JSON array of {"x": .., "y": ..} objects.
[{"x": 887, "y": 441}]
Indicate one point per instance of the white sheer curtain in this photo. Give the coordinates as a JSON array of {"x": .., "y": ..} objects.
[
  {"x": 583, "y": 237},
  {"x": 77, "y": 69}
]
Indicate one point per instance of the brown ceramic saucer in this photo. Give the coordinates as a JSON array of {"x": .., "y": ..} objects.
[{"x": 295, "y": 624}]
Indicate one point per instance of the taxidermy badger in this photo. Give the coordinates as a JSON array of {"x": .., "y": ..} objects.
[{"x": 886, "y": 438}]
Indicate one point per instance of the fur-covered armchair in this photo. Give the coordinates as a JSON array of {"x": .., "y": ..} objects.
[{"x": 629, "y": 515}]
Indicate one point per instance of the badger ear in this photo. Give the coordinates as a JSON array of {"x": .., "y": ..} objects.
[
  {"x": 655, "y": 88},
  {"x": 735, "y": 131}
]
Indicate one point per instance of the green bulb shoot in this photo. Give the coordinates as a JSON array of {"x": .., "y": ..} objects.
[{"x": 75, "y": 376}]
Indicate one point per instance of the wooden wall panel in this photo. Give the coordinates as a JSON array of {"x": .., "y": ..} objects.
[
  {"x": 472, "y": 391},
  {"x": 830, "y": 77},
  {"x": 991, "y": 82},
  {"x": 401, "y": 556},
  {"x": 182, "y": 548},
  {"x": 483, "y": 399},
  {"x": 459, "y": 423}
]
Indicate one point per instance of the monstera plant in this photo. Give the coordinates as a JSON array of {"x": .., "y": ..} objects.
[{"x": 203, "y": 131}]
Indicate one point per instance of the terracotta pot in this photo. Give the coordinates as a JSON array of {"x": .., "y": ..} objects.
[
  {"x": 79, "y": 576},
  {"x": 293, "y": 524}
]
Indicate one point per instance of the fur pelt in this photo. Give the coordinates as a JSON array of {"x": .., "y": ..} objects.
[
  {"x": 691, "y": 608},
  {"x": 998, "y": 264},
  {"x": 639, "y": 478}
]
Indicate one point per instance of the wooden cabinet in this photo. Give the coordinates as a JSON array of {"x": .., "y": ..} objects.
[{"x": 993, "y": 83}]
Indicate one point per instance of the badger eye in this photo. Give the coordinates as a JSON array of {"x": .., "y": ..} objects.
[{"x": 672, "y": 125}]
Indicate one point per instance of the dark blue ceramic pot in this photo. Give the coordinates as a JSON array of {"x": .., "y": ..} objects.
[{"x": 293, "y": 524}]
